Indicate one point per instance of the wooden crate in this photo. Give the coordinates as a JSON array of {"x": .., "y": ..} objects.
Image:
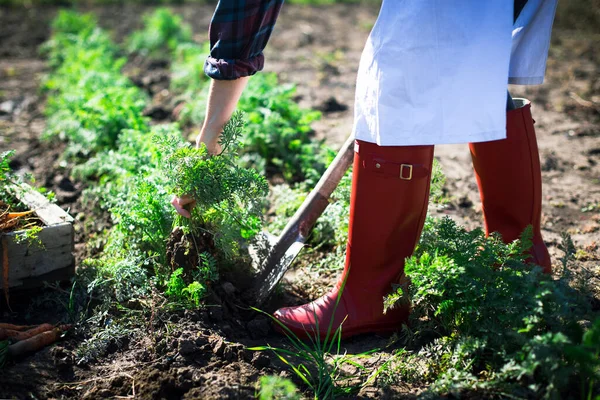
[{"x": 31, "y": 265}]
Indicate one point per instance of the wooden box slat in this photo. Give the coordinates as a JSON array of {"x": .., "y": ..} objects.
[
  {"x": 49, "y": 213},
  {"x": 31, "y": 264}
]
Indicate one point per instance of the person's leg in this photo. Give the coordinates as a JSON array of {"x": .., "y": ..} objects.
[
  {"x": 510, "y": 181},
  {"x": 390, "y": 192}
]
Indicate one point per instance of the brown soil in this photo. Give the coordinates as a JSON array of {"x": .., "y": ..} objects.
[
  {"x": 183, "y": 250},
  {"x": 204, "y": 354}
]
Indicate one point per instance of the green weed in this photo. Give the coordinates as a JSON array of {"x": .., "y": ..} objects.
[
  {"x": 31, "y": 237},
  {"x": 108, "y": 331},
  {"x": 319, "y": 363},
  {"x": 6, "y": 179}
]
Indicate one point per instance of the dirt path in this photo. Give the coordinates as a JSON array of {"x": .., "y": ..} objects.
[{"x": 205, "y": 356}]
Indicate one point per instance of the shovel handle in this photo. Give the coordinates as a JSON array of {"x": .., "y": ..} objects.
[
  {"x": 298, "y": 228},
  {"x": 318, "y": 199}
]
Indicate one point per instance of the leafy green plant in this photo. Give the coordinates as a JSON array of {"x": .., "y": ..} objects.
[
  {"x": 438, "y": 180},
  {"x": 134, "y": 153},
  {"x": 187, "y": 68},
  {"x": 162, "y": 32},
  {"x": 134, "y": 183},
  {"x": 143, "y": 218},
  {"x": 5, "y": 172},
  {"x": 279, "y": 130},
  {"x": 69, "y": 30},
  {"x": 229, "y": 198},
  {"x": 128, "y": 184},
  {"x": 176, "y": 284},
  {"x": 191, "y": 294},
  {"x": 273, "y": 387},
  {"x": 485, "y": 320},
  {"x": 90, "y": 102}
]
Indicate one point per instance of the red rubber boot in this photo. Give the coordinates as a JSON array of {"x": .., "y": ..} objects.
[
  {"x": 510, "y": 182},
  {"x": 390, "y": 193}
]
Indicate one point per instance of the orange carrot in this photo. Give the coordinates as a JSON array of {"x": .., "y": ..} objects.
[
  {"x": 17, "y": 327},
  {"x": 34, "y": 331},
  {"x": 18, "y": 335},
  {"x": 35, "y": 343},
  {"x": 19, "y": 214},
  {"x": 7, "y": 333}
]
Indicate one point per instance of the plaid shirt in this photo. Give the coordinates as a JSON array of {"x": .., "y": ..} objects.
[{"x": 239, "y": 31}]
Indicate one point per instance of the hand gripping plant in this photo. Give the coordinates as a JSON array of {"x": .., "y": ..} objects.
[{"x": 229, "y": 198}]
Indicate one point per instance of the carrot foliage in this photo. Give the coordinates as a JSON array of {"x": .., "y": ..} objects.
[
  {"x": 484, "y": 319},
  {"x": 227, "y": 195}
]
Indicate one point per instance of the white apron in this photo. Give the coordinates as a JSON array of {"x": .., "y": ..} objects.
[{"x": 436, "y": 71}]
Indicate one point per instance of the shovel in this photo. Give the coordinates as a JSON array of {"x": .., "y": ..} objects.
[{"x": 281, "y": 251}]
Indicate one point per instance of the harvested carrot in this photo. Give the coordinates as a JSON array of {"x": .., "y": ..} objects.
[
  {"x": 17, "y": 327},
  {"x": 35, "y": 343},
  {"x": 19, "y": 214},
  {"x": 10, "y": 220},
  {"x": 18, "y": 335},
  {"x": 8, "y": 334}
]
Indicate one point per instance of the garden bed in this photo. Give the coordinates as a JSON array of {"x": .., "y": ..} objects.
[{"x": 144, "y": 349}]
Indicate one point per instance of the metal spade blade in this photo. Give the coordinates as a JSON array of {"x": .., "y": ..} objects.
[{"x": 280, "y": 252}]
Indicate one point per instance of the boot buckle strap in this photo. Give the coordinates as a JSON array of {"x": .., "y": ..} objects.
[
  {"x": 403, "y": 171},
  {"x": 408, "y": 175}
]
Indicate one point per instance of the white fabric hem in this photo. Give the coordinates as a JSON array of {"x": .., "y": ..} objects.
[
  {"x": 525, "y": 80},
  {"x": 409, "y": 140}
]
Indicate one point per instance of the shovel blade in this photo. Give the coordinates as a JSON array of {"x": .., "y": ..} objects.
[
  {"x": 280, "y": 252},
  {"x": 272, "y": 261}
]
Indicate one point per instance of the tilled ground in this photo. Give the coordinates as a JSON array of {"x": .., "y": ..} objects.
[{"x": 204, "y": 354}]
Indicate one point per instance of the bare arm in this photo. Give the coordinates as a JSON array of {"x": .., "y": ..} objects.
[
  {"x": 238, "y": 33},
  {"x": 222, "y": 100}
]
